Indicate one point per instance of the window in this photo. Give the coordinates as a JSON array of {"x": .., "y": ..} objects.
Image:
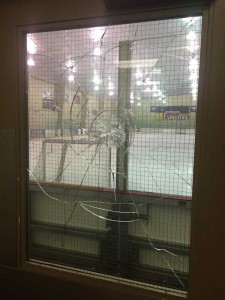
[{"x": 111, "y": 114}]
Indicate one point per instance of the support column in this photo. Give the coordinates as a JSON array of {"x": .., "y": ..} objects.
[
  {"x": 124, "y": 81},
  {"x": 59, "y": 93}
]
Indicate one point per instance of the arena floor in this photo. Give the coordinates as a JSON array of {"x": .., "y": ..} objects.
[{"x": 158, "y": 162}]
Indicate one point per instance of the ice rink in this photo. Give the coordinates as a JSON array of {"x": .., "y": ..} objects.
[{"x": 158, "y": 162}]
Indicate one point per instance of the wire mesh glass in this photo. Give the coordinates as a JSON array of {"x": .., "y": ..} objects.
[{"x": 111, "y": 113}]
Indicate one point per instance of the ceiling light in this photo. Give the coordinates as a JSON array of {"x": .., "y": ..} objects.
[
  {"x": 194, "y": 85},
  {"x": 31, "y": 62},
  {"x": 96, "y": 87},
  {"x": 111, "y": 93},
  {"x": 31, "y": 46},
  {"x": 193, "y": 76},
  {"x": 159, "y": 93},
  {"x": 71, "y": 78},
  {"x": 194, "y": 91},
  {"x": 147, "y": 90},
  {"x": 96, "y": 33},
  {"x": 132, "y": 101},
  {"x": 147, "y": 63},
  {"x": 110, "y": 86},
  {"x": 147, "y": 81},
  {"x": 138, "y": 74},
  {"x": 139, "y": 82},
  {"x": 194, "y": 96},
  {"x": 154, "y": 71},
  {"x": 154, "y": 88},
  {"x": 193, "y": 64},
  {"x": 97, "y": 51},
  {"x": 96, "y": 79},
  {"x": 139, "y": 104},
  {"x": 193, "y": 47},
  {"x": 191, "y": 36},
  {"x": 69, "y": 64}
]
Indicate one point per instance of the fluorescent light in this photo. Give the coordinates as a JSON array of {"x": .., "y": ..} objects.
[
  {"x": 110, "y": 86},
  {"x": 154, "y": 71},
  {"x": 69, "y": 64},
  {"x": 149, "y": 82},
  {"x": 154, "y": 88},
  {"x": 194, "y": 85},
  {"x": 71, "y": 78},
  {"x": 31, "y": 46},
  {"x": 135, "y": 63},
  {"x": 139, "y": 82},
  {"x": 96, "y": 79},
  {"x": 191, "y": 36},
  {"x": 193, "y": 47},
  {"x": 138, "y": 74},
  {"x": 193, "y": 76},
  {"x": 96, "y": 33},
  {"x": 147, "y": 90},
  {"x": 97, "y": 51},
  {"x": 31, "y": 62},
  {"x": 193, "y": 64}
]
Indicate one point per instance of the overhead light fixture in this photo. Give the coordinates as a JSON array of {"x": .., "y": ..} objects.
[
  {"x": 96, "y": 33},
  {"x": 153, "y": 71},
  {"x": 147, "y": 81},
  {"x": 135, "y": 63},
  {"x": 154, "y": 88},
  {"x": 111, "y": 93},
  {"x": 191, "y": 36},
  {"x": 193, "y": 64},
  {"x": 97, "y": 51},
  {"x": 69, "y": 64},
  {"x": 139, "y": 82},
  {"x": 31, "y": 46},
  {"x": 31, "y": 62},
  {"x": 96, "y": 87},
  {"x": 147, "y": 90},
  {"x": 138, "y": 74},
  {"x": 110, "y": 86},
  {"x": 193, "y": 76},
  {"x": 193, "y": 47},
  {"x": 71, "y": 78},
  {"x": 96, "y": 79}
]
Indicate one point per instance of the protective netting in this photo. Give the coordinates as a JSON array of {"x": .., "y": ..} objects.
[{"x": 112, "y": 114}]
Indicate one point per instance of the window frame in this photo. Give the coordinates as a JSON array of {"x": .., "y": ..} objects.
[{"x": 78, "y": 276}]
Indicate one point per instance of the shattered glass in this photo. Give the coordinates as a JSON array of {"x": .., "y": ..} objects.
[{"x": 106, "y": 180}]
